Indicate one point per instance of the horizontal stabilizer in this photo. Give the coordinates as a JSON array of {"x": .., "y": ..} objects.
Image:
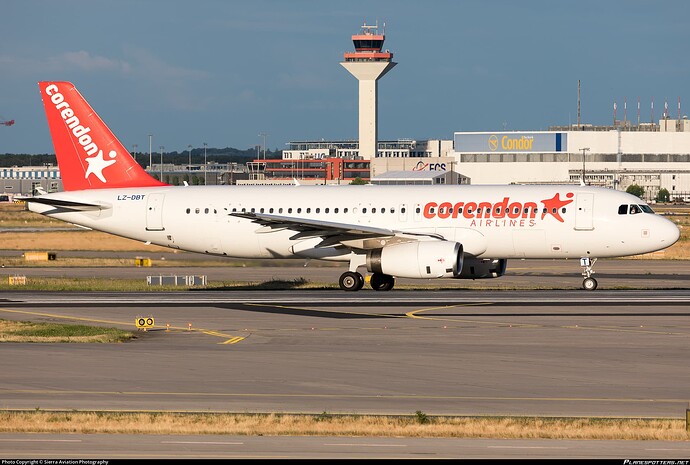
[{"x": 66, "y": 204}]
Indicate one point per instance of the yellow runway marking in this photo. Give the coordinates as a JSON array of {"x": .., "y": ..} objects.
[
  {"x": 230, "y": 337},
  {"x": 413, "y": 314}
]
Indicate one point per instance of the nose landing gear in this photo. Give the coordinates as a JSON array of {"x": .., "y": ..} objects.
[{"x": 589, "y": 283}]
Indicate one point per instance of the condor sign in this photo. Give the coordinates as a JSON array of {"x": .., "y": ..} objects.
[{"x": 504, "y": 142}]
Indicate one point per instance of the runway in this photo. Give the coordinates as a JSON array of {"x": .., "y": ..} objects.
[{"x": 556, "y": 353}]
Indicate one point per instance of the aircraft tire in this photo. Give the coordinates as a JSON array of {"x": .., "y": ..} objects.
[
  {"x": 351, "y": 281},
  {"x": 589, "y": 284},
  {"x": 382, "y": 282}
]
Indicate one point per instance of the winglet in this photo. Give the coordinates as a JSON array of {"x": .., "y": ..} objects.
[{"x": 88, "y": 153}]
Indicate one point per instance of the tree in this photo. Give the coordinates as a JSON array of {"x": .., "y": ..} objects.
[
  {"x": 358, "y": 181},
  {"x": 636, "y": 190},
  {"x": 663, "y": 195}
]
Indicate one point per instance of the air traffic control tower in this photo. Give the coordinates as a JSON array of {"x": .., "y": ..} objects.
[{"x": 368, "y": 64}]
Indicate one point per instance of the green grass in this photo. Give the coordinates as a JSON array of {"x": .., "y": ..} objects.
[{"x": 26, "y": 331}]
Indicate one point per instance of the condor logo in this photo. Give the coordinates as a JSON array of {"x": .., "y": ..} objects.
[
  {"x": 507, "y": 212},
  {"x": 510, "y": 143},
  {"x": 96, "y": 163}
]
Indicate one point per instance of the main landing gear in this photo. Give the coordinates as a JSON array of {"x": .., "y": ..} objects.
[
  {"x": 589, "y": 283},
  {"x": 351, "y": 281},
  {"x": 354, "y": 281}
]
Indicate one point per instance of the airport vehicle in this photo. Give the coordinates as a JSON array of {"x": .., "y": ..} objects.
[{"x": 464, "y": 232}]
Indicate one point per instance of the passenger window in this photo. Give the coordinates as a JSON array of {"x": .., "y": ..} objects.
[
  {"x": 189, "y": 210},
  {"x": 280, "y": 210},
  {"x": 308, "y": 209},
  {"x": 345, "y": 210},
  {"x": 196, "y": 210},
  {"x": 402, "y": 210},
  {"x": 206, "y": 210},
  {"x": 290, "y": 210},
  {"x": 299, "y": 210},
  {"x": 270, "y": 210},
  {"x": 318, "y": 210},
  {"x": 364, "y": 210},
  {"x": 326, "y": 210},
  {"x": 563, "y": 210},
  {"x": 623, "y": 210},
  {"x": 417, "y": 210},
  {"x": 335, "y": 210}
]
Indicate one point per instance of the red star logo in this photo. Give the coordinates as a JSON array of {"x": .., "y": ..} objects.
[{"x": 553, "y": 205}]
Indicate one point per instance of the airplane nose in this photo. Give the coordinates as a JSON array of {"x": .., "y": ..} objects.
[{"x": 668, "y": 233}]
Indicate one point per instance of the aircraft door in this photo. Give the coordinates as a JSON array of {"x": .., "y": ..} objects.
[
  {"x": 584, "y": 215},
  {"x": 154, "y": 212}
]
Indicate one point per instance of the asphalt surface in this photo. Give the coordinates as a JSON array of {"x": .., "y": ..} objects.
[{"x": 620, "y": 351}]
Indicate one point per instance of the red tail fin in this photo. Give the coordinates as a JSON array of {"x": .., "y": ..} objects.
[{"x": 88, "y": 154}]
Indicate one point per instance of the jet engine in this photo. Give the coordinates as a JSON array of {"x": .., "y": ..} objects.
[
  {"x": 422, "y": 259},
  {"x": 478, "y": 268}
]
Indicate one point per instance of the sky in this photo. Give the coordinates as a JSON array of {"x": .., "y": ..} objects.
[{"x": 238, "y": 73}]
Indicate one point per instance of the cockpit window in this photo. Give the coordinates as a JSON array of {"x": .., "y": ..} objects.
[{"x": 634, "y": 209}]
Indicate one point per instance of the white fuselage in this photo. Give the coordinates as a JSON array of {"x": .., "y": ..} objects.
[{"x": 490, "y": 221}]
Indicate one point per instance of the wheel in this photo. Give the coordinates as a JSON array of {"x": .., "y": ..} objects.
[
  {"x": 382, "y": 282},
  {"x": 589, "y": 284},
  {"x": 351, "y": 281}
]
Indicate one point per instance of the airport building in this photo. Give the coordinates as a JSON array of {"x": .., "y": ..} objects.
[{"x": 650, "y": 155}]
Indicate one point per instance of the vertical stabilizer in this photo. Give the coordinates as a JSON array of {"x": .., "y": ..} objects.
[{"x": 88, "y": 153}]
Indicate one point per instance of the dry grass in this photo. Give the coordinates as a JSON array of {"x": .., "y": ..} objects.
[
  {"x": 418, "y": 425},
  {"x": 79, "y": 239}
]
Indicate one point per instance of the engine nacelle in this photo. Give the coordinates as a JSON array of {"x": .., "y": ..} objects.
[
  {"x": 477, "y": 268},
  {"x": 424, "y": 259}
]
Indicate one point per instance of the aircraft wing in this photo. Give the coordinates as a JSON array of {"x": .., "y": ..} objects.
[
  {"x": 306, "y": 227},
  {"x": 332, "y": 233}
]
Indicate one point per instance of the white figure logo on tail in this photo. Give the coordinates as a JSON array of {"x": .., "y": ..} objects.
[{"x": 98, "y": 163}]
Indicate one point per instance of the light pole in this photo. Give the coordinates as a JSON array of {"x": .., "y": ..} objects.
[
  {"x": 150, "y": 153},
  {"x": 264, "y": 136},
  {"x": 162, "y": 163},
  {"x": 134, "y": 152},
  {"x": 189, "y": 167},
  {"x": 205, "y": 164},
  {"x": 585, "y": 149}
]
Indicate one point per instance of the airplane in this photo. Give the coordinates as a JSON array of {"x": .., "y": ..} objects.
[{"x": 441, "y": 231}]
